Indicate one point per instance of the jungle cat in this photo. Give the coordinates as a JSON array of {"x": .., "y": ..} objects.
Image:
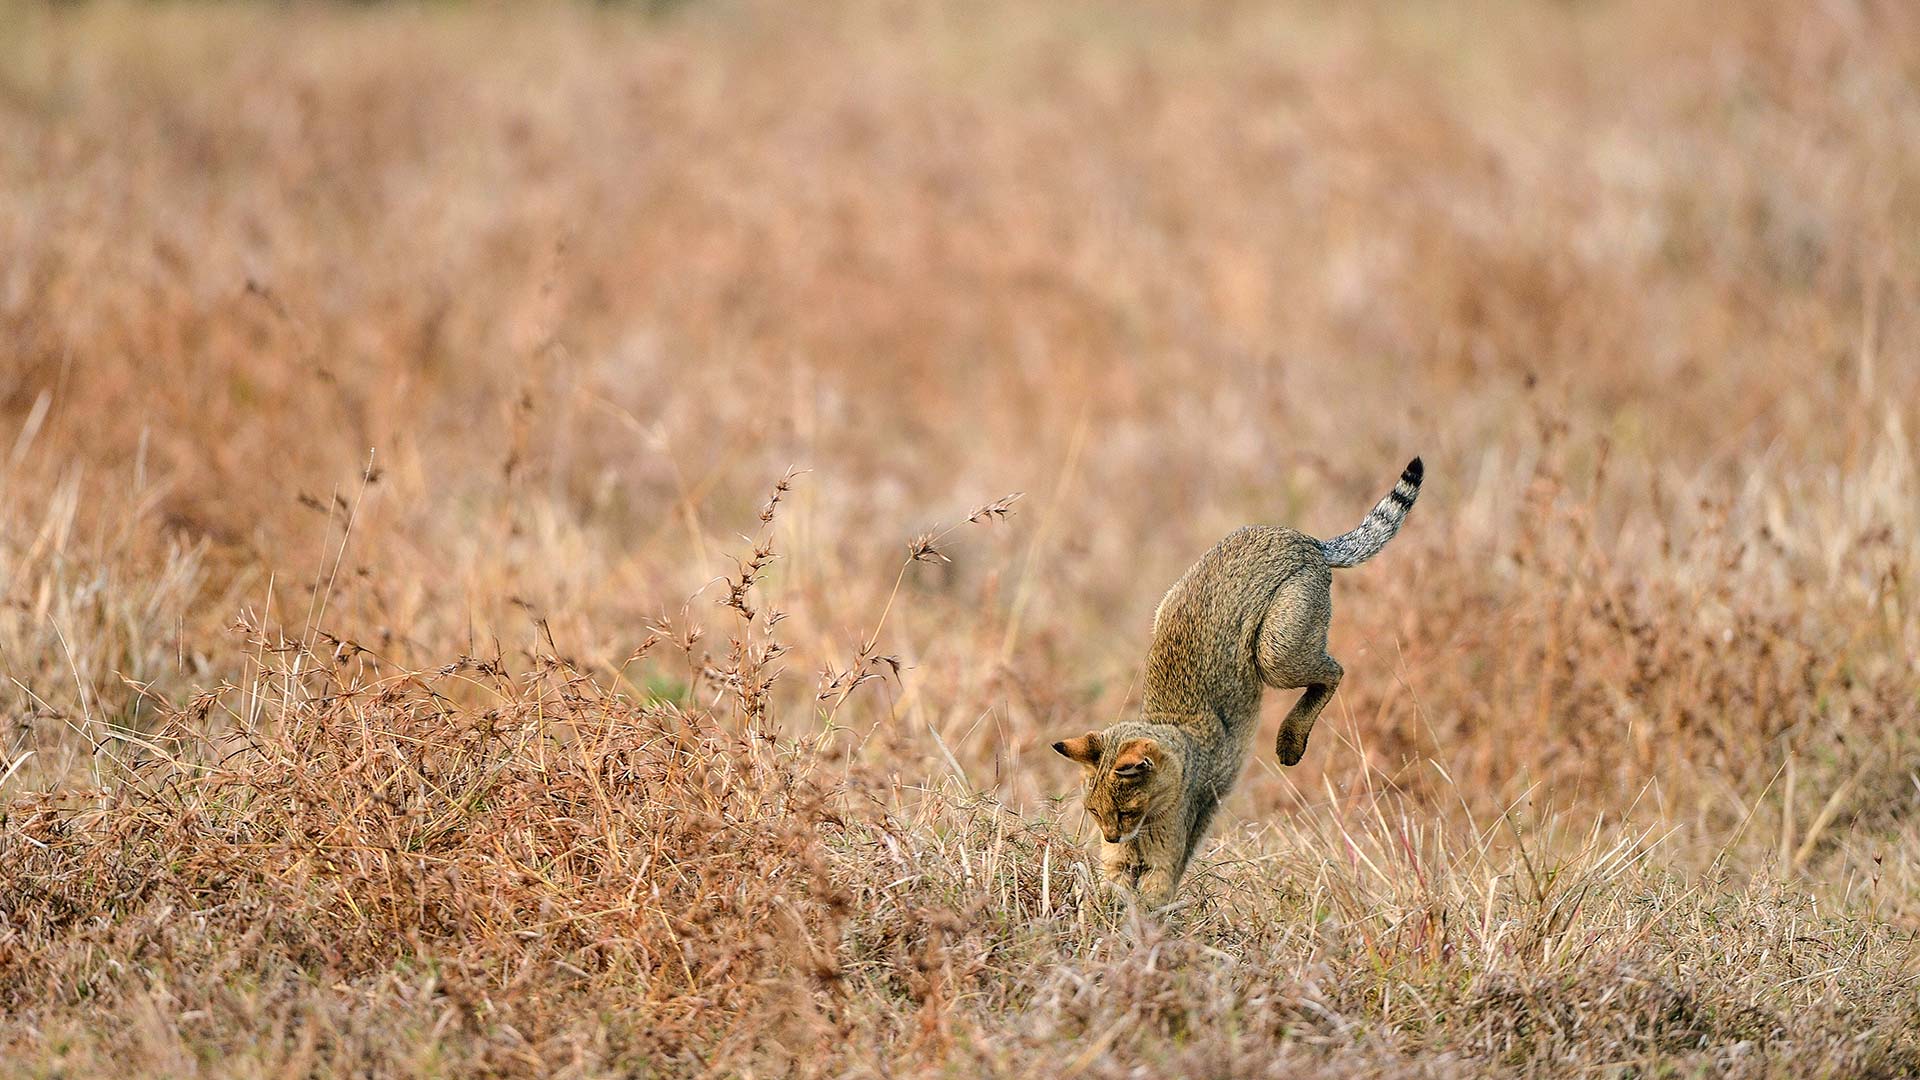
[{"x": 1251, "y": 613}]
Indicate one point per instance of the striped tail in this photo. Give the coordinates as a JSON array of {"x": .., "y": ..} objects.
[{"x": 1382, "y": 522}]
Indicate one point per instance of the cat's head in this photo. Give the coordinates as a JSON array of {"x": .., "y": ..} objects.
[{"x": 1130, "y": 780}]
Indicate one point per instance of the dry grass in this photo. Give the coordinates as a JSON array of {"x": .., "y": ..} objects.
[{"x": 502, "y": 750}]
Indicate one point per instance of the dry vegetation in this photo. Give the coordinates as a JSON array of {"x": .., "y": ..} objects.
[{"x": 404, "y": 670}]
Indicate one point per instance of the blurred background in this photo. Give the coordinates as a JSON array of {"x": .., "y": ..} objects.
[{"x": 543, "y": 299}]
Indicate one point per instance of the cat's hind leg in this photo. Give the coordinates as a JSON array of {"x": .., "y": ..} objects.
[{"x": 1291, "y": 654}]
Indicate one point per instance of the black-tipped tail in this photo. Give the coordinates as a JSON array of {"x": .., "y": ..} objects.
[{"x": 1380, "y": 524}]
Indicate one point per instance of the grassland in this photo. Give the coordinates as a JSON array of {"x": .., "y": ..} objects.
[{"x": 487, "y": 584}]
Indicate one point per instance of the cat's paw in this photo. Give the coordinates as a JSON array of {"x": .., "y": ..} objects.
[{"x": 1291, "y": 746}]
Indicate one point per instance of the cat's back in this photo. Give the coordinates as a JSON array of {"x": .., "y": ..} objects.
[{"x": 1253, "y": 559}]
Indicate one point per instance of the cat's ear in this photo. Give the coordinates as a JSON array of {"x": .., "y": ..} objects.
[
  {"x": 1137, "y": 758},
  {"x": 1084, "y": 749}
]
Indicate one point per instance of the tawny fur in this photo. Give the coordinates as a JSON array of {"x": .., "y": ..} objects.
[{"x": 1252, "y": 613}]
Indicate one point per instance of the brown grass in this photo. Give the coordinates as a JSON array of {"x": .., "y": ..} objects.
[{"x": 406, "y": 670}]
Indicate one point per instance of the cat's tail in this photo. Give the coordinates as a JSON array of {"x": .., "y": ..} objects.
[{"x": 1382, "y": 522}]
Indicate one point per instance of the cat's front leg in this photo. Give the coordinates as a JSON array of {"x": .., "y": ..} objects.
[
  {"x": 1162, "y": 856},
  {"x": 1119, "y": 865}
]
